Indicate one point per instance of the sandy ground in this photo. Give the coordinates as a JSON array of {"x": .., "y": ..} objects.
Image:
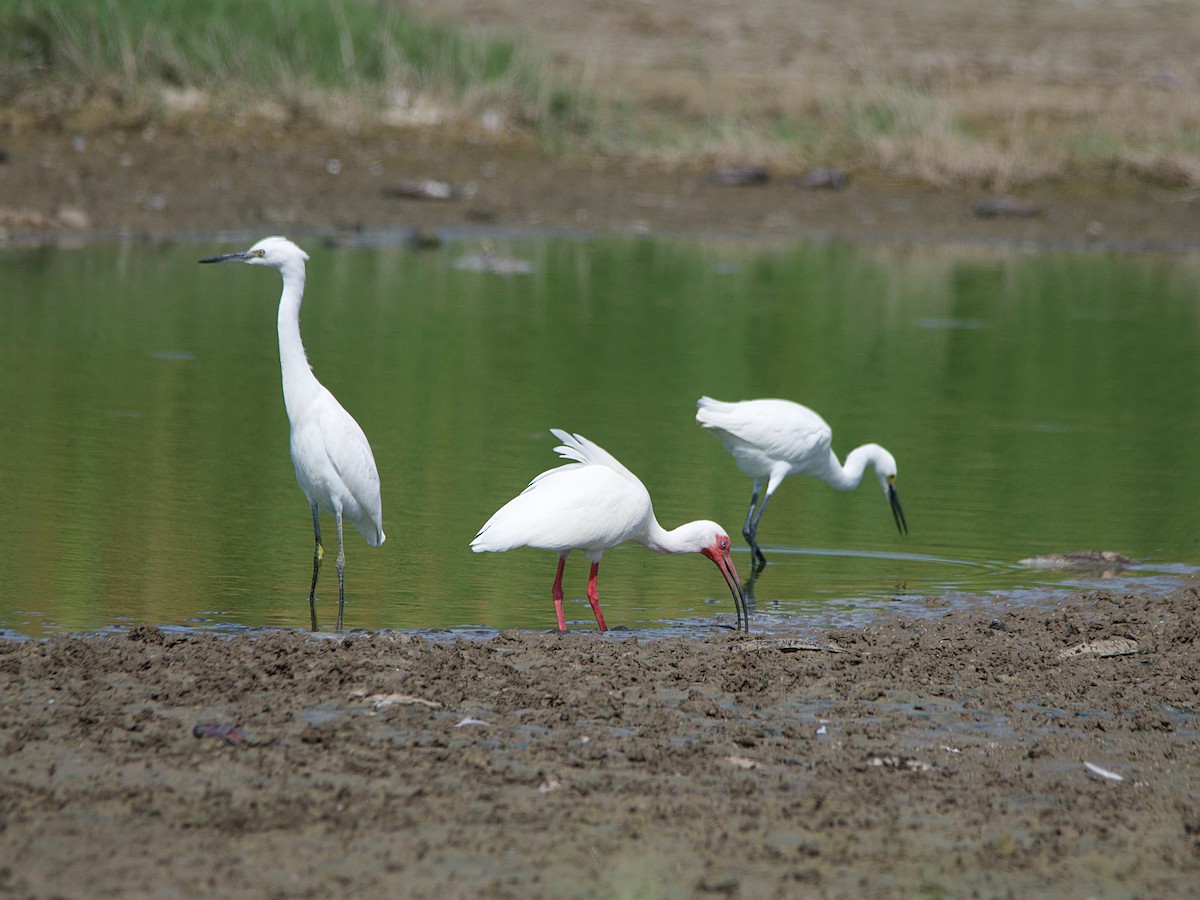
[{"x": 942, "y": 753}]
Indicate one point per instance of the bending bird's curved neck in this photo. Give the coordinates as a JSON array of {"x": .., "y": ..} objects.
[
  {"x": 658, "y": 538},
  {"x": 687, "y": 538},
  {"x": 849, "y": 476}
]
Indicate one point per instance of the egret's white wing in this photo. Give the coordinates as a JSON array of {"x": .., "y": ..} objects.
[
  {"x": 775, "y": 430},
  {"x": 335, "y": 456}
]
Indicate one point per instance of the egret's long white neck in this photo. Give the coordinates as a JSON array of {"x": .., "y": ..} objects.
[
  {"x": 848, "y": 477},
  {"x": 299, "y": 383}
]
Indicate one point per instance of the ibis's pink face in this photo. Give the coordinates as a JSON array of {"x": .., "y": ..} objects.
[{"x": 718, "y": 552}]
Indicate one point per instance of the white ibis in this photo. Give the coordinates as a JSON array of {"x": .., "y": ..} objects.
[{"x": 592, "y": 504}]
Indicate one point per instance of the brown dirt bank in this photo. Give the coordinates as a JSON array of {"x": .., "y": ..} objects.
[
  {"x": 156, "y": 182},
  {"x": 1049, "y": 94},
  {"x": 941, "y": 754}
]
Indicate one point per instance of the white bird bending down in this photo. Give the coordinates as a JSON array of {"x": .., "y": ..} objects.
[
  {"x": 334, "y": 464},
  {"x": 772, "y": 439},
  {"x": 592, "y": 505}
]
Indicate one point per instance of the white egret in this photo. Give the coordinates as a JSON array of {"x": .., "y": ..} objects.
[
  {"x": 593, "y": 506},
  {"x": 772, "y": 439},
  {"x": 333, "y": 461}
]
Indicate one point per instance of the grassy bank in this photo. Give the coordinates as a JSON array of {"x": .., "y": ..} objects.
[
  {"x": 328, "y": 58},
  {"x": 925, "y": 91}
]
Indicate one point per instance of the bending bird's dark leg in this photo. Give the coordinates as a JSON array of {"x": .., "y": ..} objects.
[{"x": 750, "y": 532}]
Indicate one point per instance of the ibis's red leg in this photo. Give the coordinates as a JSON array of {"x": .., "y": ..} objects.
[
  {"x": 558, "y": 593},
  {"x": 594, "y": 596}
]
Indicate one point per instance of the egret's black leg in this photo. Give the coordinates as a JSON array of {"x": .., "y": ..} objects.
[
  {"x": 341, "y": 567},
  {"x": 750, "y": 532},
  {"x": 318, "y": 555}
]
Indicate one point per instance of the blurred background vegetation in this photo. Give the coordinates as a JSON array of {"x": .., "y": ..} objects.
[{"x": 929, "y": 90}]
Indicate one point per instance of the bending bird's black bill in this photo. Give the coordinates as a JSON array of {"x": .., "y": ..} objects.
[{"x": 897, "y": 512}]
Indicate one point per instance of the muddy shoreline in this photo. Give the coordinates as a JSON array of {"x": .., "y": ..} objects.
[
  {"x": 158, "y": 183},
  {"x": 942, "y": 753}
]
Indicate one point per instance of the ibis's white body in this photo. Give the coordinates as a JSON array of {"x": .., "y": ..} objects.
[
  {"x": 590, "y": 507},
  {"x": 591, "y": 504}
]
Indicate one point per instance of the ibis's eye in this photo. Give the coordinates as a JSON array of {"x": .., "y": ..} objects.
[
  {"x": 258, "y": 253},
  {"x": 724, "y": 545}
]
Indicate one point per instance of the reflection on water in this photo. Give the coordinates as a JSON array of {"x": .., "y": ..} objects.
[{"x": 1035, "y": 404}]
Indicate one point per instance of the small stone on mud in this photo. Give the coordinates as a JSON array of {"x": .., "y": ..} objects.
[
  {"x": 72, "y": 217},
  {"x": 787, "y": 645},
  {"x": 893, "y": 761},
  {"x": 1007, "y": 207},
  {"x": 229, "y": 734},
  {"x": 420, "y": 189},
  {"x": 380, "y": 701},
  {"x": 1102, "y": 648},
  {"x": 1081, "y": 561},
  {"x": 742, "y": 762},
  {"x": 738, "y": 177},
  {"x": 830, "y": 179}
]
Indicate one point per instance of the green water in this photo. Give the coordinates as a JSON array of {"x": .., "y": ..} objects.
[{"x": 1035, "y": 403}]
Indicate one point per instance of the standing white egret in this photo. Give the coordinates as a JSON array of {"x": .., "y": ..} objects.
[
  {"x": 334, "y": 464},
  {"x": 772, "y": 439},
  {"x": 593, "y": 506}
]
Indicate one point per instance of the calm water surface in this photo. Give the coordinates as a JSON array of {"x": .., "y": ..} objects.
[{"x": 1035, "y": 403}]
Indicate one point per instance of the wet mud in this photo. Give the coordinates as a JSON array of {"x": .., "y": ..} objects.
[{"x": 991, "y": 750}]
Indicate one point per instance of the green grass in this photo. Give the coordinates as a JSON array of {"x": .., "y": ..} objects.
[{"x": 271, "y": 49}]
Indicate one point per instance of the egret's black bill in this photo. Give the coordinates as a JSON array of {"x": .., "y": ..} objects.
[
  {"x": 897, "y": 512},
  {"x": 226, "y": 257}
]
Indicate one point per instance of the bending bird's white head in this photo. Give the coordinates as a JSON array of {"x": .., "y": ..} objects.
[{"x": 885, "y": 471}]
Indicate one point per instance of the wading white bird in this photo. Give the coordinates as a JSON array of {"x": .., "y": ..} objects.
[
  {"x": 772, "y": 439},
  {"x": 334, "y": 464},
  {"x": 592, "y": 504}
]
